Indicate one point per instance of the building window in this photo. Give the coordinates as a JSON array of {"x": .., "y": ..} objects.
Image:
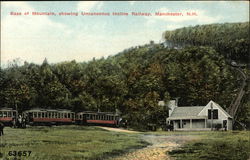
[{"x": 215, "y": 114}]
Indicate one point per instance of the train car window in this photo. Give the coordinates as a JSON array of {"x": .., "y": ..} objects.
[
  {"x": 35, "y": 114},
  {"x": 65, "y": 115},
  {"x": 39, "y": 114},
  {"x": 1, "y": 114},
  {"x": 90, "y": 117}
]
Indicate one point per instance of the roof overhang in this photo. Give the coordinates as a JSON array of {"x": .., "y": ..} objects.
[{"x": 187, "y": 117}]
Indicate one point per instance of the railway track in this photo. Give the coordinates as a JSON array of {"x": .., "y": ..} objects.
[{"x": 234, "y": 107}]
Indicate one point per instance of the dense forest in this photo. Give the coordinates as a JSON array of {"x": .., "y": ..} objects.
[
  {"x": 230, "y": 39},
  {"x": 133, "y": 81}
]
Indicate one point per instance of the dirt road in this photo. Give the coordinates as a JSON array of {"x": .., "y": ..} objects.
[{"x": 160, "y": 145}]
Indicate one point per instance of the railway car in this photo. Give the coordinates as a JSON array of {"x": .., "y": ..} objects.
[
  {"x": 49, "y": 117},
  {"x": 7, "y": 115},
  {"x": 97, "y": 118}
]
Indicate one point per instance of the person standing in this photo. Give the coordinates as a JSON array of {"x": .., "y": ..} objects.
[{"x": 1, "y": 128}]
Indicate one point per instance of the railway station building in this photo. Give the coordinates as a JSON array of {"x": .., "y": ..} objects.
[{"x": 209, "y": 117}]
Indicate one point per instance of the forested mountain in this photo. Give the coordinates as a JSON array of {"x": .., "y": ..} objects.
[
  {"x": 132, "y": 81},
  {"x": 230, "y": 39}
]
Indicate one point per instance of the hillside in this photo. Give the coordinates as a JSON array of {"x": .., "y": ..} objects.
[
  {"x": 230, "y": 39},
  {"x": 132, "y": 81}
]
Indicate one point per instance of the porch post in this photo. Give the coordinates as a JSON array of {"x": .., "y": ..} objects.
[
  {"x": 191, "y": 123},
  {"x": 205, "y": 123},
  {"x": 181, "y": 123}
]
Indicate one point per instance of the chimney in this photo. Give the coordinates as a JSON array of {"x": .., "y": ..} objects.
[
  {"x": 176, "y": 101},
  {"x": 172, "y": 104}
]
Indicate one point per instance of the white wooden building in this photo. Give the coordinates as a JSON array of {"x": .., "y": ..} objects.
[{"x": 198, "y": 117}]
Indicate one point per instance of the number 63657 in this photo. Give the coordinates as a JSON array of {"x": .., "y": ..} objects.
[{"x": 19, "y": 153}]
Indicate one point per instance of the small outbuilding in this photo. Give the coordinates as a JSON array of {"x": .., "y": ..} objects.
[{"x": 209, "y": 117}]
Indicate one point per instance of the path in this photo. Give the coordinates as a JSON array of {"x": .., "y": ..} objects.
[
  {"x": 161, "y": 144},
  {"x": 119, "y": 130}
]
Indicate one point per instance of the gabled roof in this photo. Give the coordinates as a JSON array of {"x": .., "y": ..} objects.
[
  {"x": 186, "y": 112},
  {"x": 223, "y": 111},
  {"x": 193, "y": 112}
]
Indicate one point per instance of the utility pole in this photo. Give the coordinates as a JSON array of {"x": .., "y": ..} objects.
[{"x": 212, "y": 116}]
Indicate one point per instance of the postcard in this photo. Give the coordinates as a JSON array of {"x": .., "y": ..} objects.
[{"x": 124, "y": 80}]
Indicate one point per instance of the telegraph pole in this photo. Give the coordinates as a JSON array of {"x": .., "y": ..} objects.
[{"x": 212, "y": 116}]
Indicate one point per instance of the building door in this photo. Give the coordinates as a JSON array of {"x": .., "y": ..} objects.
[
  {"x": 179, "y": 124},
  {"x": 225, "y": 124}
]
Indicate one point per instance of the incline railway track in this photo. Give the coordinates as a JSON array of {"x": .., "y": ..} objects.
[{"x": 234, "y": 107}]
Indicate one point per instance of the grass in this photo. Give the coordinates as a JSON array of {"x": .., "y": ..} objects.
[
  {"x": 216, "y": 146},
  {"x": 67, "y": 142},
  {"x": 93, "y": 143}
]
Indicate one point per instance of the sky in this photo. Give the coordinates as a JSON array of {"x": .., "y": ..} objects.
[{"x": 64, "y": 38}]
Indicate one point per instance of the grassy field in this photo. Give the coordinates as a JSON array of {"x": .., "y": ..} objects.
[
  {"x": 93, "y": 143},
  {"x": 66, "y": 143},
  {"x": 233, "y": 145}
]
